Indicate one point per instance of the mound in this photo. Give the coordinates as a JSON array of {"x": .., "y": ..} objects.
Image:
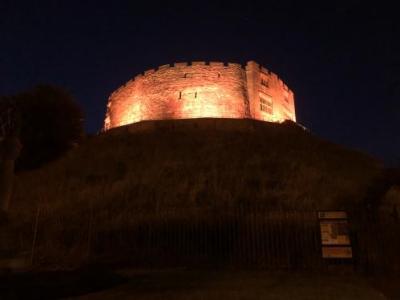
[
  {"x": 163, "y": 191},
  {"x": 201, "y": 163}
]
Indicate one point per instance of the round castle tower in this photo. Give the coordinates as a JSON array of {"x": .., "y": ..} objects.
[{"x": 201, "y": 90}]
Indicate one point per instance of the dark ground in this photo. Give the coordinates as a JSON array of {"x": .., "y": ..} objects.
[
  {"x": 96, "y": 283},
  {"x": 57, "y": 284}
]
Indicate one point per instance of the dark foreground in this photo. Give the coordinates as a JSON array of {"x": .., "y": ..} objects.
[{"x": 195, "y": 284}]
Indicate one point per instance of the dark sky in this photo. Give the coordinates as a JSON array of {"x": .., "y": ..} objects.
[{"x": 341, "y": 60}]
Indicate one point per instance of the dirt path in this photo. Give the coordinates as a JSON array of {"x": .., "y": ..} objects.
[
  {"x": 221, "y": 285},
  {"x": 98, "y": 283}
]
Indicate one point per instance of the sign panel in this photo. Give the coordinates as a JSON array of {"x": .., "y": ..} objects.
[
  {"x": 337, "y": 252},
  {"x": 335, "y": 232},
  {"x": 335, "y": 236}
]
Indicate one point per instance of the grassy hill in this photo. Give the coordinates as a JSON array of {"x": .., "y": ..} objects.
[
  {"x": 188, "y": 165},
  {"x": 177, "y": 164}
]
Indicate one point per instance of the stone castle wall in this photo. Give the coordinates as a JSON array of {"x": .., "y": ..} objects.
[{"x": 201, "y": 90}]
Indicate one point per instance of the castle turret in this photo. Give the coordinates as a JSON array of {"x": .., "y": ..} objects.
[{"x": 201, "y": 90}]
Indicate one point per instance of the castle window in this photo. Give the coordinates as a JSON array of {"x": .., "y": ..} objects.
[
  {"x": 264, "y": 83},
  {"x": 180, "y": 95},
  {"x": 286, "y": 96},
  {"x": 266, "y": 104}
]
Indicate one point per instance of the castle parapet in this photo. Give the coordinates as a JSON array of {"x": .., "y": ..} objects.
[{"x": 201, "y": 89}]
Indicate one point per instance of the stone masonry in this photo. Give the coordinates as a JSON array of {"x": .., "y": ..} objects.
[{"x": 201, "y": 90}]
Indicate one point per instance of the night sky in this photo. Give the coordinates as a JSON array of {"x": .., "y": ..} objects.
[{"x": 341, "y": 60}]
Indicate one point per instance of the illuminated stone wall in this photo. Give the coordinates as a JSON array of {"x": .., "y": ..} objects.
[{"x": 201, "y": 90}]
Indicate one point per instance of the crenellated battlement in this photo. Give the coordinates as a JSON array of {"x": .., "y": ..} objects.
[
  {"x": 270, "y": 74},
  {"x": 212, "y": 64},
  {"x": 199, "y": 89},
  {"x": 180, "y": 65}
]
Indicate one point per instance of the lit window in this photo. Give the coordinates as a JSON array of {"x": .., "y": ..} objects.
[
  {"x": 286, "y": 96},
  {"x": 266, "y": 104},
  {"x": 264, "y": 83}
]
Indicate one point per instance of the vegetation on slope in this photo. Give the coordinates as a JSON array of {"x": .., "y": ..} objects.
[
  {"x": 120, "y": 177},
  {"x": 276, "y": 165}
]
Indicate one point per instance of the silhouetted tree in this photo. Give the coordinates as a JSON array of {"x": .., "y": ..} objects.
[
  {"x": 51, "y": 123},
  {"x": 10, "y": 146}
]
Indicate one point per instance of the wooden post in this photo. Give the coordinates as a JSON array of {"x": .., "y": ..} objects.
[
  {"x": 90, "y": 228},
  {"x": 35, "y": 233},
  {"x": 10, "y": 149}
]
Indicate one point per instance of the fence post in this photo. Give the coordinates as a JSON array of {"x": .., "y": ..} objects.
[
  {"x": 35, "y": 233},
  {"x": 89, "y": 229}
]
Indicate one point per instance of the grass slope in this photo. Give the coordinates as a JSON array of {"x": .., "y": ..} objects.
[
  {"x": 185, "y": 165},
  {"x": 274, "y": 164}
]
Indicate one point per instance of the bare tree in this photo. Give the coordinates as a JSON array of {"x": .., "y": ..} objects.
[{"x": 10, "y": 147}]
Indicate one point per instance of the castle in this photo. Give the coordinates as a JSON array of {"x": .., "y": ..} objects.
[{"x": 201, "y": 90}]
